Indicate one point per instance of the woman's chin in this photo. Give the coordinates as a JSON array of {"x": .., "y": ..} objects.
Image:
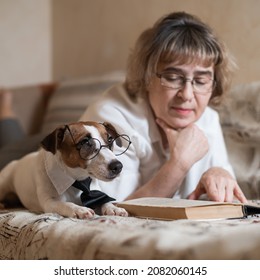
[{"x": 179, "y": 124}]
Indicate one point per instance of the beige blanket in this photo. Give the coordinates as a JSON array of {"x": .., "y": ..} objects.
[{"x": 25, "y": 235}]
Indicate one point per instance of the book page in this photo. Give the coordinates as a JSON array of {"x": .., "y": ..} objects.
[{"x": 169, "y": 202}]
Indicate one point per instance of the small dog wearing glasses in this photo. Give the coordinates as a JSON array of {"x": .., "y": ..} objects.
[{"x": 63, "y": 175}]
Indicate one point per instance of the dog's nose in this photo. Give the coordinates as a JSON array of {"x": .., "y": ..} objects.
[{"x": 115, "y": 167}]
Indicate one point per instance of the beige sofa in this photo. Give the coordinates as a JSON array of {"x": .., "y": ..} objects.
[{"x": 26, "y": 235}]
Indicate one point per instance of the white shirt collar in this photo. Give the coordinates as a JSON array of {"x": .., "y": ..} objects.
[{"x": 56, "y": 173}]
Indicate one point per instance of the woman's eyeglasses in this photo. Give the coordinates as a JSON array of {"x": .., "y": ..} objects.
[{"x": 201, "y": 85}]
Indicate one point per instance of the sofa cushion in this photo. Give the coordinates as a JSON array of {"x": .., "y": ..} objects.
[{"x": 71, "y": 98}]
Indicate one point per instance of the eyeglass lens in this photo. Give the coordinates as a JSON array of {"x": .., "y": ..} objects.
[
  {"x": 200, "y": 85},
  {"x": 92, "y": 147}
]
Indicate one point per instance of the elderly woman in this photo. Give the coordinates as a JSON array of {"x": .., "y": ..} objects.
[{"x": 176, "y": 69}]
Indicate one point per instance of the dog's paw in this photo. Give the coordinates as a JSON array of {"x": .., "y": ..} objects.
[
  {"x": 83, "y": 213},
  {"x": 112, "y": 210},
  {"x": 120, "y": 212}
]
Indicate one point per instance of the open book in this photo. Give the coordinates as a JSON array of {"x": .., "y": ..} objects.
[{"x": 173, "y": 209}]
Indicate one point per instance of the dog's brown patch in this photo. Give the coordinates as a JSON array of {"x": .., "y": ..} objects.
[
  {"x": 68, "y": 149},
  {"x": 66, "y": 138}
]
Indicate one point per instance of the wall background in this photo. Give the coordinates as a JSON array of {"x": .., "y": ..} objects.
[
  {"x": 25, "y": 42},
  {"x": 55, "y": 39}
]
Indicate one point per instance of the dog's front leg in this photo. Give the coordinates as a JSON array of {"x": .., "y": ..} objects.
[
  {"x": 112, "y": 210},
  {"x": 67, "y": 209},
  {"x": 51, "y": 202}
]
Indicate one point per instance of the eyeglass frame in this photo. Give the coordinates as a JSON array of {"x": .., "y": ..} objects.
[
  {"x": 184, "y": 81},
  {"x": 79, "y": 146}
]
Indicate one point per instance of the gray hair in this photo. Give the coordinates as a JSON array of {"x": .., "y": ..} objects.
[{"x": 181, "y": 38}]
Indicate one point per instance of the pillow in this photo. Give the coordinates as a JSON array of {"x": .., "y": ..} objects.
[{"x": 71, "y": 99}]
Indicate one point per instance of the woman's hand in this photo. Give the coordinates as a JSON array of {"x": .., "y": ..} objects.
[
  {"x": 187, "y": 145},
  {"x": 219, "y": 185}
]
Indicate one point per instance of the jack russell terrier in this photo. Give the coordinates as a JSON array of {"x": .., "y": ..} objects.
[{"x": 63, "y": 175}]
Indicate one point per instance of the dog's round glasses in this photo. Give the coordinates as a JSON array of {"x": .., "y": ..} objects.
[
  {"x": 201, "y": 85},
  {"x": 90, "y": 147}
]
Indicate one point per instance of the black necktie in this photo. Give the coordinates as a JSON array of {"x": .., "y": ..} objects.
[{"x": 91, "y": 199}]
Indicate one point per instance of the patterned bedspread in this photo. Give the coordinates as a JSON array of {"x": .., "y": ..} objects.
[{"x": 25, "y": 235}]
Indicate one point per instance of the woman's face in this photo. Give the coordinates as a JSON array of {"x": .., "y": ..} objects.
[{"x": 183, "y": 106}]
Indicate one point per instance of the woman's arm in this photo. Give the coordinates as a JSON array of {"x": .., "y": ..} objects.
[{"x": 186, "y": 147}]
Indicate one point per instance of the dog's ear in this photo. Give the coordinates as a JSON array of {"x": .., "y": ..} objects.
[
  {"x": 52, "y": 141},
  {"x": 112, "y": 131}
]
